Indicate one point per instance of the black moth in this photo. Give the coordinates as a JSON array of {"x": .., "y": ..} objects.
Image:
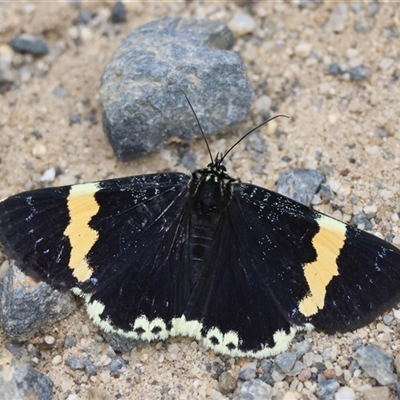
[{"x": 237, "y": 266}]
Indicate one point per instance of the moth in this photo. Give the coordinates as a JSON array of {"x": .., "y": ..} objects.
[{"x": 236, "y": 266}]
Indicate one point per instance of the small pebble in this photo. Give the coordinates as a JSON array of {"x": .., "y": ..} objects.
[
  {"x": 85, "y": 330},
  {"x": 327, "y": 388},
  {"x": 308, "y": 359},
  {"x": 255, "y": 390},
  {"x": 39, "y": 150},
  {"x": 48, "y": 175},
  {"x": 115, "y": 365},
  {"x": 49, "y": 339},
  {"x": 303, "y": 50},
  {"x": 285, "y": 361},
  {"x": 242, "y": 24},
  {"x": 359, "y": 73},
  {"x": 75, "y": 363},
  {"x": 377, "y": 393},
  {"x": 226, "y": 383},
  {"x": 262, "y": 104},
  {"x": 248, "y": 371},
  {"x": 56, "y": 360},
  {"x": 345, "y": 393},
  {"x": 105, "y": 377},
  {"x": 29, "y": 44}
]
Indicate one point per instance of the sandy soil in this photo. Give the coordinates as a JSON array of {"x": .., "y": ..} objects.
[{"x": 332, "y": 127}]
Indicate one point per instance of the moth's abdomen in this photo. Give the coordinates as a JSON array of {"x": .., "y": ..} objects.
[{"x": 211, "y": 195}]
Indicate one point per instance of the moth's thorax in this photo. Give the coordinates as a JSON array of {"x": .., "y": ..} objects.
[{"x": 210, "y": 189}]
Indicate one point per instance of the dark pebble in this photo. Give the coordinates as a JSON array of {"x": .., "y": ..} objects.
[
  {"x": 266, "y": 364},
  {"x": 300, "y": 184},
  {"x": 15, "y": 349},
  {"x": 69, "y": 341},
  {"x": 226, "y": 383},
  {"x": 334, "y": 69},
  {"x": 37, "y": 134},
  {"x": 364, "y": 220},
  {"x": 74, "y": 118},
  {"x": 381, "y": 132},
  {"x": 359, "y": 73},
  {"x": 325, "y": 192},
  {"x": 5, "y": 85},
  {"x": 356, "y": 344},
  {"x": 75, "y": 362},
  {"x": 29, "y": 44},
  {"x": 91, "y": 117},
  {"x": 248, "y": 371},
  {"x": 116, "y": 365},
  {"x": 285, "y": 361},
  {"x": 118, "y": 342},
  {"x": 84, "y": 17},
  {"x": 89, "y": 367},
  {"x": 327, "y": 388},
  {"x": 118, "y": 13}
]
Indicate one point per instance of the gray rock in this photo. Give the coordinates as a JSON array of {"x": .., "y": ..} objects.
[
  {"x": 356, "y": 343},
  {"x": 27, "y": 306},
  {"x": 15, "y": 349},
  {"x": 21, "y": 381},
  {"x": 359, "y": 73},
  {"x": 254, "y": 390},
  {"x": 143, "y": 105},
  {"x": 226, "y": 383},
  {"x": 118, "y": 342},
  {"x": 75, "y": 362},
  {"x": 334, "y": 69},
  {"x": 115, "y": 366},
  {"x": 376, "y": 363},
  {"x": 285, "y": 361},
  {"x": 363, "y": 221},
  {"x": 266, "y": 364},
  {"x": 29, "y": 44},
  {"x": 89, "y": 367},
  {"x": 327, "y": 388},
  {"x": 378, "y": 393},
  {"x": 300, "y": 184},
  {"x": 69, "y": 341},
  {"x": 248, "y": 371},
  {"x": 301, "y": 348}
]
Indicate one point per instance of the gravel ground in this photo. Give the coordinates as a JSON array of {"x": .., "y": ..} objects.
[{"x": 332, "y": 67}]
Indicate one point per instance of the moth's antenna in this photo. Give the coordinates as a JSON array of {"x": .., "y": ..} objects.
[
  {"x": 248, "y": 133},
  {"x": 198, "y": 123}
]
